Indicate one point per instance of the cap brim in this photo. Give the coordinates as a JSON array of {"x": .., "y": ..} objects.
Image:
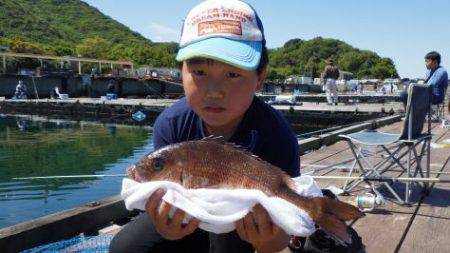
[{"x": 241, "y": 54}]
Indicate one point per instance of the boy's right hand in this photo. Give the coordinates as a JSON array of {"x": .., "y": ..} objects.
[{"x": 169, "y": 228}]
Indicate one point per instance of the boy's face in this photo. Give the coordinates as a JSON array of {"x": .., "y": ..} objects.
[{"x": 219, "y": 93}]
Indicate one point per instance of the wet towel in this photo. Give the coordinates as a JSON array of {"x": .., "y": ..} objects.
[{"x": 219, "y": 209}]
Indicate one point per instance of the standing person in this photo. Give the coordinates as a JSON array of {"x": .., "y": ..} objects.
[
  {"x": 224, "y": 62},
  {"x": 21, "y": 90},
  {"x": 55, "y": 93},
  {"x": 111, "y": 87},
  {"x": 437, "y": 77},
  {"x": 361, "y": 88},
  {"x": 119, "y": 87},
  {"x": 383, "y": 90},
  {"x": 330, "y": 74}
]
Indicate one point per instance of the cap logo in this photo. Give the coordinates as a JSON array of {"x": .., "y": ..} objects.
[
  {"x": 220, "y": 26},
  {"x": 220, "y": 13}
]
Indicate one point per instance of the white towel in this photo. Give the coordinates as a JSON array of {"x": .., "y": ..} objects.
[{"x": 219, "y": 209}]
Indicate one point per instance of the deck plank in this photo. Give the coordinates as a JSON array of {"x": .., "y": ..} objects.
[{"x": 430, "y": 229}]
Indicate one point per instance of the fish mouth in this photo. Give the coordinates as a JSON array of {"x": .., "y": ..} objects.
[
  {"x": 131, "y": 172},
  {"x": 135, "y": 173}
]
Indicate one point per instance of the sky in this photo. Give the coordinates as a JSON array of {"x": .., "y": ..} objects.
[{"x": 403, "y": 30}]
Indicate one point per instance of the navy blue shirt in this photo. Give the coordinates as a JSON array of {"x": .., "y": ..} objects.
[{"x": 263, "y": 131}]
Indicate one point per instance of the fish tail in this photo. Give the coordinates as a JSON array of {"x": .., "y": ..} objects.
[{"x": 329, "y": 214}]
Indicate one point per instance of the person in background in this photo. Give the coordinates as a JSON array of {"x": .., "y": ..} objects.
[
  {"x": 330, "y": 74},
  {"x": 437, "y": 77},
  {"x": 111, "y": 87},
  {"x": 404, "y": 87},
  {"x": 383, "y": 90},
  {"x": 55, "y": 94},
  {"x": 111, "y": 90},
  {"x": 355, "y": 87},
  {"x": 360, "y": 89},
  {"x": 21, "y": 91}
]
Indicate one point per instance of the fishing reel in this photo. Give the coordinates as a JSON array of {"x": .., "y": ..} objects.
[{"x": 366, "y": 202}]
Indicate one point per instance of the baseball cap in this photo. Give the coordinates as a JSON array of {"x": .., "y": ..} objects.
[{"x": 228, "y": 31}]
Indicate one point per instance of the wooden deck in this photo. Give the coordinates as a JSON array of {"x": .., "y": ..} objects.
[{"x": 422, "y": 227}]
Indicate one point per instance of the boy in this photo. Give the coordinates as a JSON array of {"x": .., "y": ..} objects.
[{"x": 224, "y": 61}]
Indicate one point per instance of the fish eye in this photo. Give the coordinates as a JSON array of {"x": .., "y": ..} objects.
[{"x": 158, "y": 164}]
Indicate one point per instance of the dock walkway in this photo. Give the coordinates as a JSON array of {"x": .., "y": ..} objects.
[
  {"x": 161, "y": 104},
  {"x": 422, "y": 227}
]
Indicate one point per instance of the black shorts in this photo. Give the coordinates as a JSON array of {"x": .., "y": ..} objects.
[{"x": 140, "y": 236}]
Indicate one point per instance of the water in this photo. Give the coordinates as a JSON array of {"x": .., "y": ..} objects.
[{"x": 41, "y": 147}]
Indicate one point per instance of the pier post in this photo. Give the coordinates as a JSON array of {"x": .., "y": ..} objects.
[
  {"x": 79, "y": 67},
  {"x": 100, "y": 68},
  {"x": 4, "y": 64}
]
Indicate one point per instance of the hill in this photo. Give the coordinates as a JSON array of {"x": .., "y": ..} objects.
[
  {"x": 73, "y": 27},
  {"x": 307, "y": 57},
  {"x": 61, "y": 23}
]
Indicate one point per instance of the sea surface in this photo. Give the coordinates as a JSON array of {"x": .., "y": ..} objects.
[{"x": 35, "y": 146}]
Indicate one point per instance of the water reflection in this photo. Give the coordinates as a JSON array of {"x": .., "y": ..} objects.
[{"x": 36, "y": 146}]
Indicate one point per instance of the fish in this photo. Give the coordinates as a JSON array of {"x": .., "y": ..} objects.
[{"x": 213, "y": 163}]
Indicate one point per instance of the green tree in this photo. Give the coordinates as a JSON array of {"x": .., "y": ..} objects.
[
  {"x": 301, "y": 57},
  {"x": 97, "y": 48},
  {"x": 21, "y": 46}
]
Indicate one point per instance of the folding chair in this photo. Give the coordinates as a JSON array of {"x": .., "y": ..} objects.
[
  {"x": 438, "y": 112},
  {"x": 396, "y": 146}
]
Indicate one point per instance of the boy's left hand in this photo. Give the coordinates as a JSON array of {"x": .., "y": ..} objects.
[{"x": 258, "y": 229}]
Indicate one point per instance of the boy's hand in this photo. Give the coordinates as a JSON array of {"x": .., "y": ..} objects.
[
  {"x": 257, "y": 228},
  {"x": 169, "y": 228}
]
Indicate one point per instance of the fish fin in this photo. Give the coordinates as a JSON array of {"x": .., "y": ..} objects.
[
  {"x": 213, "y": 138},
  {"x": 221, "y": 140},
  {"x": 334, "y": 227},
  {"x": 330, "y": 215}
]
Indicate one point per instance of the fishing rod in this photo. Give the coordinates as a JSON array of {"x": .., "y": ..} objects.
[
  {"x": 70, "y": 176},
  {"x": 386, "y": 179},
  {"x": 363, "y": 178}
]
